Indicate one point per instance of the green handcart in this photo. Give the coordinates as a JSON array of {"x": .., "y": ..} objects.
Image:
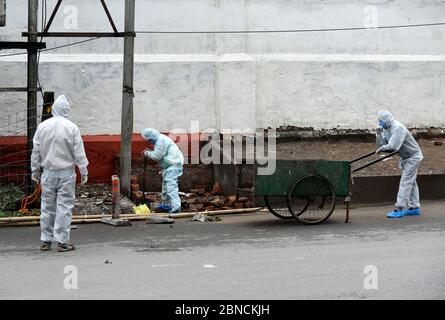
[{"x": 307, "y": 190}]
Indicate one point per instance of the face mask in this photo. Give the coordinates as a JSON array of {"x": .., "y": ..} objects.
[{"x": 382, "y": 124}]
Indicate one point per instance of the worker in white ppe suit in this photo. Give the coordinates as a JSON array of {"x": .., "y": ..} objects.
[
  {"x": 168, "y": 155},
  {"x": 395, "y": 137},
  {"x": 58, "y": 148}
]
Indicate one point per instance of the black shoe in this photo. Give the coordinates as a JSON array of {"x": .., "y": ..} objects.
[
  {"x": 45, "y": 246},
  {"x": 65, "y": 247}
]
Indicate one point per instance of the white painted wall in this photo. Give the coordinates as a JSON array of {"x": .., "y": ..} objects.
[{"x": 228, "y": 81}]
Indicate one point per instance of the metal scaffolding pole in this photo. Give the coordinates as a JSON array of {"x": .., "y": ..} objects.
[
  {"x": 33, "y": 6},
  {"x": 127, "y": 99}
]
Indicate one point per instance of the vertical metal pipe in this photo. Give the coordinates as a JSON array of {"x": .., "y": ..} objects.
[
  {"x": 127, "y": 98},
  {"x": 31, "y": 123},
  {"x": 2, "y": 13},
  {"x": 115, "y": 197}
]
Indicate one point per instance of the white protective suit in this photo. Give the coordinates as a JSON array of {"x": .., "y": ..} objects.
[
  {"x": 58, "y": 148},
  {"x": 168, "y": 155},
  {"x": 396, "y": 137}
]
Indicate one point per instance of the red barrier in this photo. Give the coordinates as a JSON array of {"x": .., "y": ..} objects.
[{"x": 102, "y": 152}]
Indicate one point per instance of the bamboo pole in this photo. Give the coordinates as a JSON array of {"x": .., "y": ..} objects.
[
  {"x": 35, "y": 220},
  {"x": 20, "y": 224}
]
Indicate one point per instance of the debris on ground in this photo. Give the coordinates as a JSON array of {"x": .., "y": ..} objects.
[
  {"x": 204, "y": 218},
  {"x": 185, "y": 195},
  {"x": 202, "y": 201},
  {"x": 208, "y": 202},
  {"x": 96, "y": 199},
  {"x": 10, "y": 200},
  {"x": 159, "y": 220},
  {"x": 116, "y": 222}
]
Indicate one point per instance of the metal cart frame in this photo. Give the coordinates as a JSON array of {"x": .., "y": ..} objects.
[{"x": 307, "y": 190}]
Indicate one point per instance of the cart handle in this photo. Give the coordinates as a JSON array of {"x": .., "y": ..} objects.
[
  {"x": 375, "y": 161},
  {"x": 362, "y": 157}
]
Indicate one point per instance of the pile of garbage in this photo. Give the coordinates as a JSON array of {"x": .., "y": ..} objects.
[
  {"x": 10, "y": 199},
  {"x": 199, "y": 200},
  {"x": 205, "y": 218},
  {"x": 93, "y": 199},
  {"x": 202, "y": 201}
]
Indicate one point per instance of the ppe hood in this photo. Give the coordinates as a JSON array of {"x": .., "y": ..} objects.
[
  {"x": 150, "y": 134},
  {"x": 61, "y": 107},
  {"x": 386, "y": 117}
]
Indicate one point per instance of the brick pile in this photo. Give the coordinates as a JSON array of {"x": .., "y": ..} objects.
[
  {"x": 137, "y": 196},
  {"x": 198, "y": 199}
]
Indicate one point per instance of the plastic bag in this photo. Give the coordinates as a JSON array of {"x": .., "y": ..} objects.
[{"x": 142, "y": 210}]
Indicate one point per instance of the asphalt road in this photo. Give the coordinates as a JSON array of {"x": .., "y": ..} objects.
[{"x": 253, "y": 256}]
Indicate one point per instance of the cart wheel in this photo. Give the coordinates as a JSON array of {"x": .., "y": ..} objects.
[
  {"x": 298, "y": 204},
  {"x": 311, "y": 199},
  {"x": 278, "y": 206}
]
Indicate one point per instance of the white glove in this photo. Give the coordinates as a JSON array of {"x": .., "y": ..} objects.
[
  {"x": 146, "y": 153},
  {"x": 83, "y": 179},
  {"x": 35, "y": 176}
]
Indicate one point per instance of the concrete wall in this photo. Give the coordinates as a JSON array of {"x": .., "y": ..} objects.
[{"x": 233, "y": 81}]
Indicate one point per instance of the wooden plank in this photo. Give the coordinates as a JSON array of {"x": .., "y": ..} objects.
[{"x": 22, "y": 45}]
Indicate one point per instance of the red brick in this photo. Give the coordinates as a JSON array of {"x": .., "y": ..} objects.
[
  {"x": 217, "y": 202},
  {"x": 137, "y": 196},
  {"x": 232, "y": 198},
  {"x": 196, "y": 207},
  {"x": 134, "y": 180},
  {"x": 198, "y": 191},
  {"x": 243, "y": 199},
  {"x": 238, "y": 205},
  {"x": 216, "y": 188}
]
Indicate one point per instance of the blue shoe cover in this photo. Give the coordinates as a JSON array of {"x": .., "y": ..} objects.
[
  {"x": 164, "y": 207},
  {"x": 412, "y": 212},
  {"x": 396, "y": 214},
  {"x": 174, "y": 211}
]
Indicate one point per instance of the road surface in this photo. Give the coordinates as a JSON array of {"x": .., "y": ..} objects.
[{"x": 250, "y": 256}]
